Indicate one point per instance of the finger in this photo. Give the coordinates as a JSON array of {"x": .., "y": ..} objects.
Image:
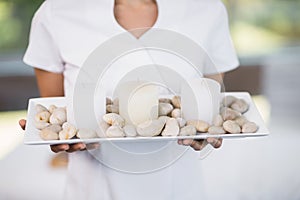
[
  {"x": 22, "y": 123},
  {"x": 187, "y": 142},
  {"x": 76, "y": 147},
  {"x": 195, "y": 144},
  {"x": 199, "y": 144},
  {"x": 59, "y": 147},
  {"x": 91, "y": 146},
  {"x": 180, "y": 142},
  {"x": 215, "y": 142}
]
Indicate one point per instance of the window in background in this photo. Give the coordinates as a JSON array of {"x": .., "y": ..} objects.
[
  {"x": 17, "y": 82},
  {"x": 15, "y": 18},
  {"x": 266, "y": 34},
  {"x": 263, "y": 27}
]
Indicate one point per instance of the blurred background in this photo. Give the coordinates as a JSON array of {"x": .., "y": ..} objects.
[{"x": 267, "y": 38}]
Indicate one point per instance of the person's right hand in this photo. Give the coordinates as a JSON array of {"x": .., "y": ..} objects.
[{"x": 60, "y": 147}]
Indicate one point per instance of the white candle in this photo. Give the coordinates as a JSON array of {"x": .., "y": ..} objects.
[
  {"x": 138, "y": 101},
  {"x": 200, "y": 99}
]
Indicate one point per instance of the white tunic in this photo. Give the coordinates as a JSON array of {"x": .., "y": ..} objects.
[{"x": 65, "y": 32}]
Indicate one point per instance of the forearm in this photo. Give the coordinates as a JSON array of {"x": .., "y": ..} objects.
[
  {"x": 49, "y": 84},
  {"x": 216, "y": 77}
]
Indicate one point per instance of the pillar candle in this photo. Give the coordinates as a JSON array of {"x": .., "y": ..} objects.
[
  {"x": 200, "y": 99},
  {"x": 138, "y": 101}
]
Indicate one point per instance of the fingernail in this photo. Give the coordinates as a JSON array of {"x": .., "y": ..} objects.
[
  {"x": 186, "y": 142},
  {"x": 210, "y": 140},
  {"x": 64, "y": 147},
  {"x": 83, "y": 146}
]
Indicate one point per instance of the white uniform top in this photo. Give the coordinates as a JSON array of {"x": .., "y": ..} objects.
[{"x": 65, "y": 32}]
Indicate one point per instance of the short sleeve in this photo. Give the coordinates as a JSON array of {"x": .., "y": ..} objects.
[
  {"x": 221, "y": 49},
  {"x": 42, "y": 51}
]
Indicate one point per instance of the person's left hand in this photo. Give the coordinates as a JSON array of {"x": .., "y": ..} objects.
[{"x": 200, "y": 144}]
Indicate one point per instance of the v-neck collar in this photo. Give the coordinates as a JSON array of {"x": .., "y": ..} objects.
[{"x": 119, "y": 27}]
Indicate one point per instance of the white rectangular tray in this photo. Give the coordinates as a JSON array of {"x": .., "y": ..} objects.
[{"x": 32, "y": 134}]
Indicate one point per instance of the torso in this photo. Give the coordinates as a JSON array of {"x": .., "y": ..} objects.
[{"x": 141, "y": 16}]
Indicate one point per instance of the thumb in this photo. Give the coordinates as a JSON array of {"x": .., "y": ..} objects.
[
  {"x": 215, "y": 142},
  {"x": 22, "y": 123}
]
